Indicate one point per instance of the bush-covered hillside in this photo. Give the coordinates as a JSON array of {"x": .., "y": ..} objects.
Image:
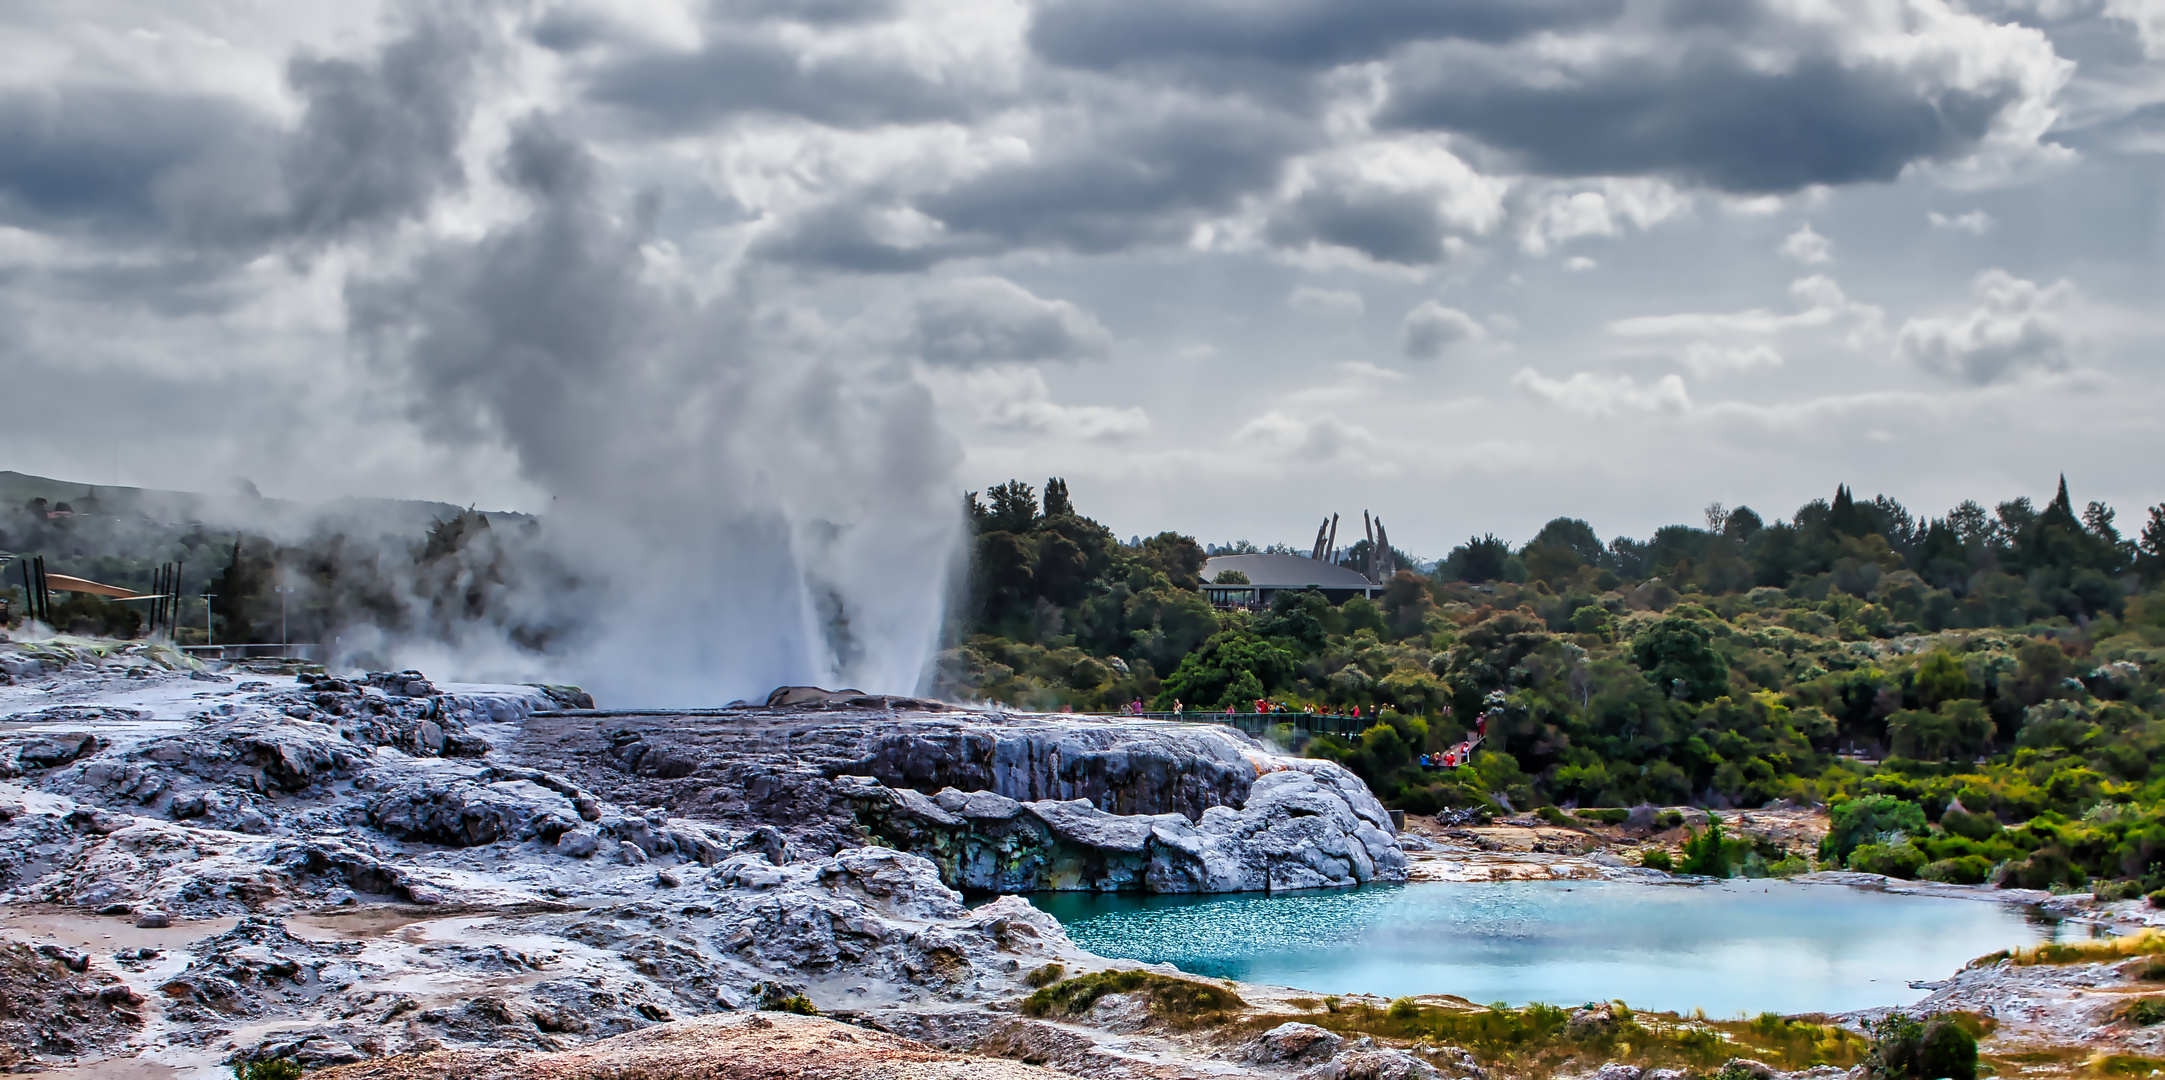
[{"x": 1975, "y": 695}]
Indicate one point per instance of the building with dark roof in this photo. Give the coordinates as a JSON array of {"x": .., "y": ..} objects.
[{"x": 1269, "y": 575}]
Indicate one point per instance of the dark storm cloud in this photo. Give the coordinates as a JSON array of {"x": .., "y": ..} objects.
[
  {"x": 841, "y": 236},
  {"x": 814, "y": 12},
  {"x": 1147, "y": 181},
  {"x": 1708, "y": 118},
  {"x": 380, "y": 139},
  {"x": 745, "y": 73},
  {"x": 990, "y": 320},
  {"x": 110, "y": 160},
  {"x": 1388, "y": 226},
  {"x": 1106, "y": 34},
  {"x": 377, "y": 141}
]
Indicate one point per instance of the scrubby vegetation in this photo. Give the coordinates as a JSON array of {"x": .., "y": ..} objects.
[
  {"x": 1543, "y": 1040},
  {"x": 1977, "y": 697},
  {"x": 1179, "y": 1002},
  {"x": 2143, "y": 943}
]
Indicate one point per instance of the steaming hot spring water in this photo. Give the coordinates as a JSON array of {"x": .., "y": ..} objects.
[{"x": 1737, "y": 947}]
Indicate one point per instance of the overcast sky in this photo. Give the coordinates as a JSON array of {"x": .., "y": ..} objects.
[{"x": 1227, "y": 266}]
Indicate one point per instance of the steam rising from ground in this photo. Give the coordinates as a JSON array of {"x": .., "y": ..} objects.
[{"x": 731, "y": 521}]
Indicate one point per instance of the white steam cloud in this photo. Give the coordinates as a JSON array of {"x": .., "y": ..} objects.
[{"x": 729, "y": 522}]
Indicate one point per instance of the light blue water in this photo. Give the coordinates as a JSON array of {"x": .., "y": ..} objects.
[{"x": 1740, "y": 947}]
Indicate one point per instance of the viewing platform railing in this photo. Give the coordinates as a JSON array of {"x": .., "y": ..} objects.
[{"x": 1255, "y": 723}]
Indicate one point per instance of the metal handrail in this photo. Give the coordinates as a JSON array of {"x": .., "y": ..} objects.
[{"x": 1255, "y": 723}]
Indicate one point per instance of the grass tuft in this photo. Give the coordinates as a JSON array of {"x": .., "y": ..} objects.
[{"x": 2142, "y": 1011}]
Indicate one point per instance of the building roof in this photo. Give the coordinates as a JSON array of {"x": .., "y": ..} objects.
[{"x": 1286, "y": 572}]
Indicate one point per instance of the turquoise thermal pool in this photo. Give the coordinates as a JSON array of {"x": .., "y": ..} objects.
[{"x": 1739, "y": 947}]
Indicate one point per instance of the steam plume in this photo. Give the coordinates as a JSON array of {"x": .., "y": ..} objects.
[{"x": 732, "y": 521}]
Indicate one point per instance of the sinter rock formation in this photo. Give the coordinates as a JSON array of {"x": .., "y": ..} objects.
[{"x": 213, "y": 868}]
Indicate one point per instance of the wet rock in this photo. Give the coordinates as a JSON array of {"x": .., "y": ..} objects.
[
  {"x": 153, "y": 920},
  {"x": 1617, "y": 1070},
  {"x": 469, "y": 811},
  {"x": 69, "y": 958},
  {"x": 55, "y": 1007},
  {"x": 1374, "y": 1065},
  {"x": 566, "y": 697},
  {"x": 254, "y": 966},
  {"x": 1310, "y": 826},
  {"x": 50, "y": 751},
  {"x": 1592, "y": 1020},
  {"x": 1292, "y": 1043},
  {"x": 767, "y": 842}
]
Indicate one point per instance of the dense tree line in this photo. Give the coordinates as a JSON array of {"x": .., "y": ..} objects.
[{"x": 1981, "y": 689}]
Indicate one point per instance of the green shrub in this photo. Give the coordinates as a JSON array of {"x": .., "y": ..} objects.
[
  {"x": 1404, "y": 1008},
  {"x": 1789, "y": 866},
  {"x": 1553, "y": 816},
  {"x": 1905, "y": 1049},
  {"x": 1045, "y": 976},
  {"x": 1900, "y": 860},
  {"x": 1657, "y": 859},
  {"x": 2151, "y": 970},
  {"x": 268, "y": 1069},
  {"x": 1961, "y": 870},
  {"x": 1852, "y": 823},
  {"x": 1706, "y": 853},
  {"x": 2157, "y": 899},
  {"x": 2142, "y": 1012},
  {"x": 1948, "y": 1052},
  {"x": 2109, "y": 891},
  {"x": 1612, "y": 815}
]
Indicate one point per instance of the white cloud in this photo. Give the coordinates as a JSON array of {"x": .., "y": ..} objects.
[
  {"x": 1706, "y": 358},
  {"x": 2148, "y": 18},
  {"x": 1016, "y": 398},
  {"x": 1605, "y": 395},
  {"x": 1565, "y": 216},
  {"x": 1820, "y": 301},
  {"x": 1433, "y": 329},
  {"x": 1976, "y": 222},
  {"x": 1312, "y": 440},
  {"x": 2016, "y": 327},
  {"x": 1378, "y": 202},
  {"x": 1336, "y": 303},
  {"x": 1580, "y": 264},
  {"x": 1807, "y": 246}
]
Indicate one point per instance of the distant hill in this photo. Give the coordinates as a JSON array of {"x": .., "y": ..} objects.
[{"x": 236, "y": 508}]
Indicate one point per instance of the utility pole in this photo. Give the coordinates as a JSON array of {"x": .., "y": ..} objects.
[
  {"x": 210, "y": 637},
  {"x": 283, "y": 591}
]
